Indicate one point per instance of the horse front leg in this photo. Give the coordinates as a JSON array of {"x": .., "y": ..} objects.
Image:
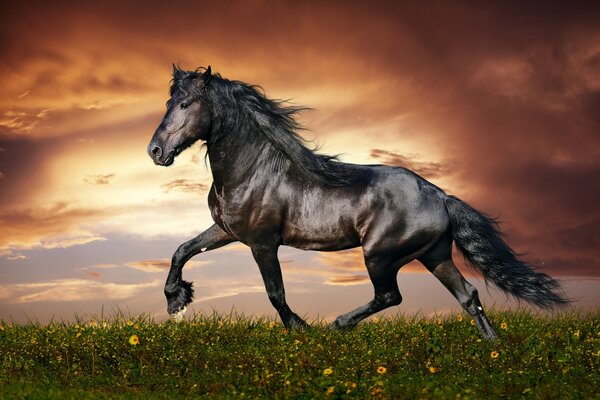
[
  {"x": 270, "y": 270},
  {"x": 179, "y": 293}
]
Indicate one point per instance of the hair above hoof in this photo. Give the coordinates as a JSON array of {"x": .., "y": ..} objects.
[
  {"x": 178, "y": 300},
  {"x": 178, "y": 316}
]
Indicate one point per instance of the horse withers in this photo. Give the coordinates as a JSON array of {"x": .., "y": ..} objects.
[{"x": 269, "y": 189}]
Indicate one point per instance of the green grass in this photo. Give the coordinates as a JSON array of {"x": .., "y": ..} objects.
[{"x": 238, "y": 357}]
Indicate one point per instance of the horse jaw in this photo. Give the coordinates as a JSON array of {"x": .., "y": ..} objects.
[{"x": 178, "y": 316}]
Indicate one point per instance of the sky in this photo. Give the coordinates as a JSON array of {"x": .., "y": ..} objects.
[{"x": 498, "y": 104}]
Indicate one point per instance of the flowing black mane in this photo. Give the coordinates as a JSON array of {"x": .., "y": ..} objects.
[{"x": 243, "y": 110}]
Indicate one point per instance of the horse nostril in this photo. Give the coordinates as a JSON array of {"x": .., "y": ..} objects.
[{"x": 156, "y": 151}]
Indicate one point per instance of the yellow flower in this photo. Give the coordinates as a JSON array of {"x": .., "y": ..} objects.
[
  {"x": 472, "y": 322},
  {"x": 439, "y": 321},
  {"x": 494, "y": 354},
  {"x": 330, "y": 389},
  {"x": 134, "y": 340},
  {"x": 576, "y": 334},
  {"x": 381, "y": 370},
  {"x": 434, "y": 370},
  {"x": 459, "y": 318},
  {"x": 129, "y": 323},
  {"x": 503, "y": 325},
  {"x": 327, "y": 371}
]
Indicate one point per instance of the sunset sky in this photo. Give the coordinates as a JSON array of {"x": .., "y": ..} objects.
[{"x": 497, "y": 104}]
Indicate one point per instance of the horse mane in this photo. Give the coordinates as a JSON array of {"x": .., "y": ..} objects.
[{"x": 244, "y": 110}]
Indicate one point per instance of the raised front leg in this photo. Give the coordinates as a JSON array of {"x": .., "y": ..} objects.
[
  {"x": 268, "y": 263},
  {"x": 179, "y": 293}
]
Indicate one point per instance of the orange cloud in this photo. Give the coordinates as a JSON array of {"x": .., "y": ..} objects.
[
  {"x": 59, "y": 226},
  {"x": 99, "y": 179},
  {"x": 163, "y": 265},
  {"x": 184, "y": 185},
  {"x": 60, "y": 290}
]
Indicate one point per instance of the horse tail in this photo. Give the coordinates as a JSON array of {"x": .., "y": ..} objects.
[{"x": 478, "y": 238}]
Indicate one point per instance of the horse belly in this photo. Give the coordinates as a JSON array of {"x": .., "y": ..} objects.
[{"x": 323, "y": 230}]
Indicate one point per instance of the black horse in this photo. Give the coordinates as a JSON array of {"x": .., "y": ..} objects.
[{"x": 270, "y": 190}]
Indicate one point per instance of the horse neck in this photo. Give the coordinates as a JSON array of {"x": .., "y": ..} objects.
[{"x": 234, "y": 161}]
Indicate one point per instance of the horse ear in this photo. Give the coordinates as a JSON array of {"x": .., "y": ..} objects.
[
  {"x": 176, "y": 72},
  {"x": 207, "y": 75}
]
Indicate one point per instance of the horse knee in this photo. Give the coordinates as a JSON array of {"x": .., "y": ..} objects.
[
  {"x": 388, "y": 299},
  {"x": 277, "y": 299}
]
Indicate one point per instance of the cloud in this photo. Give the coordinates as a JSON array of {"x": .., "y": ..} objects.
[
  {"x": 506, "y": 115},
  {"x": 348, "y": 280},
  {"x": 185, "y": 186},
  {"x": 99, "y": 179},
  {"x": 23, "y": 121},
  {"x": 71, "y": 290},
  {"x": 426, "y": 169},
  {"x": 57, "y": 226},
  {"x": 163, "y": 265}
]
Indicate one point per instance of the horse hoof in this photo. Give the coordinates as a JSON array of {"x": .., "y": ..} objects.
[{"x": 178, "y": 316}]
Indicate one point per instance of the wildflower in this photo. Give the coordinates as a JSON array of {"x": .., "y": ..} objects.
[
  {"x": 327, "y": 371},
  {"x": 576, "y": 334},
  {"x": 134, "y": 340},
  {"x": 459, "y": 318},
  {"x": 434, "y": 370},
  {"x": 494, "y": 354},
  {"x": 439, "y": 321},
  {"x": 78, "y": 334},
  {"x": 472, "y": 322},
  {"x": 503, "y": 325},
  {"x": 330, "y": 389},
  {"x": 381, "y": 370},
  {"x": 129, "y": 323}
]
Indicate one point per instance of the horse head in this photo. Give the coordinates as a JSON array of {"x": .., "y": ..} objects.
[{"x": 188, "y": 117}]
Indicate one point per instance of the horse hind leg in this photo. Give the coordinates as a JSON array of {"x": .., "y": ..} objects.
[
  {"x": 438, "y": 261},
  {"x": 383, "y": 276}
]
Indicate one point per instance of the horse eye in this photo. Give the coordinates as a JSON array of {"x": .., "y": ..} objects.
[{"x": 185, "y": 105}]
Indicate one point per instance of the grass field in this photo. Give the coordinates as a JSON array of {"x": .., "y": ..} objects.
[{"x": 238, "y": 357}]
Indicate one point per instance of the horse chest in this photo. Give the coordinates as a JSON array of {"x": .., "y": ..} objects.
[{"x": 237, "y": 212}]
